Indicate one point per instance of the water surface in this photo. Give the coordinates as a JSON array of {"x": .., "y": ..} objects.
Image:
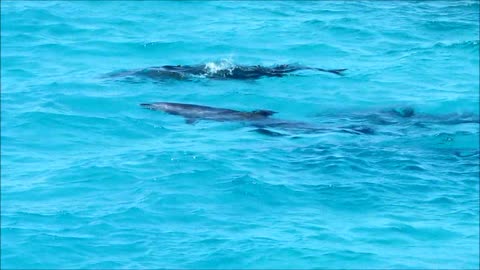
[{"x": 92, "y": 180}]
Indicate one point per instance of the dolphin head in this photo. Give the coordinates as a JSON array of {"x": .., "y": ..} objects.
[
  {"x": 168, "y": 107},
  {"x": 187, "y": 110},
  {"x": 157, "y": 106}
]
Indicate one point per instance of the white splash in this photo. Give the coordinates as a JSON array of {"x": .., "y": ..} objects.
[{"x": 219, "y": 66}]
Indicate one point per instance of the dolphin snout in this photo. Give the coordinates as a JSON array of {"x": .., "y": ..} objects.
[
  {"x": 158, "y": 106},
  {"x": 146, "y": 105},
  {"x": 152, "y": 106}
]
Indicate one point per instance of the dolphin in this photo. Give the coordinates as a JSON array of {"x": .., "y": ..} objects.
[
  {"x": 257, "y": 118},
  {"x": 193, "y": 113},
  {"x": 233, "y": 72}
]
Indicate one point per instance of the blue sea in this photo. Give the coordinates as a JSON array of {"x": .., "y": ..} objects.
[{"x": 91, "y": 180}]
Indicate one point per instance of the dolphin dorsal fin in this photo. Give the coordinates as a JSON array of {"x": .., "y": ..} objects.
[
  {"x": 191, "y": 121},
  {"x": 264, "y": 112}
]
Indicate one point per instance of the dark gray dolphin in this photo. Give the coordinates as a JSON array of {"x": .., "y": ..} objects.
[
  {"x": 193, "y": 113},
  {"x": 258, "y": 118},
  {"x": 234, "y": 72}
]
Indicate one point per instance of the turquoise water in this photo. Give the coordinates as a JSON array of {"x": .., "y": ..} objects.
[{"x": 92, "y": 180}]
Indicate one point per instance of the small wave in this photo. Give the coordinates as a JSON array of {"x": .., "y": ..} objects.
[
  {"x": 438, "y": 25},
  {"x": 315, "y": 22},
  {"x": 455, "y": 45}
]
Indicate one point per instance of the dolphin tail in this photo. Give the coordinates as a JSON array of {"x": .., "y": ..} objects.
[
  {"x": 334, "y": 71},
  {"x": 267, "y": 132},
  {"x": 265, "y": 113}
]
